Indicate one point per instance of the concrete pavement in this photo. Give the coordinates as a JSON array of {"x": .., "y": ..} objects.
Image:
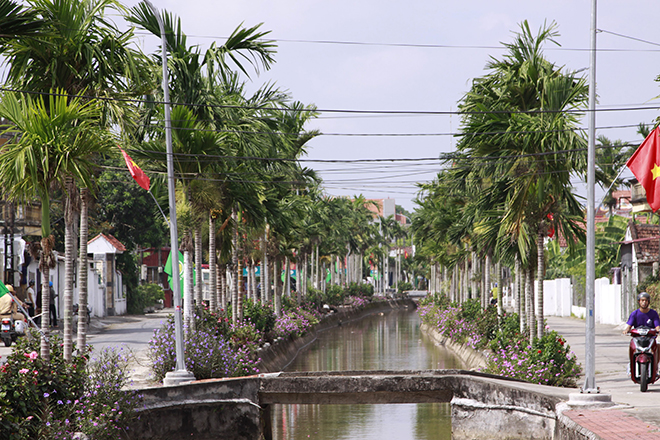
[{"x": 636, "y": 415}]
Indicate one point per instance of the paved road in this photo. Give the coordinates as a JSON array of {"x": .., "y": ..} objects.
[
  {"x": 611, "y": 356},
  {"x": 131, "y": 333}
]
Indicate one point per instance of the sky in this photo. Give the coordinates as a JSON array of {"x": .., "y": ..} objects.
[{"x": 369, "y": 55}]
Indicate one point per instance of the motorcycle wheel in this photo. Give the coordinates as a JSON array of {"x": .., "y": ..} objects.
[
  {"x": 643, "y": 377},
  {"x": 7, "y": 342}
]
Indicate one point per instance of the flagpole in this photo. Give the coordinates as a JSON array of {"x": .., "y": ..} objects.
[{"x": 180, "y": 374}]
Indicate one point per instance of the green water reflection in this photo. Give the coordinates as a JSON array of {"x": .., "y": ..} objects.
[{"x": 385, "y": 341}]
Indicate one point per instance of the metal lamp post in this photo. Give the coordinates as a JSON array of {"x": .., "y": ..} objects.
[{"x": 180, "y": 374}]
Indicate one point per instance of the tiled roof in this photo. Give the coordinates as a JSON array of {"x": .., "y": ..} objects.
[
  {"x": 110, "y": 239},
  {"x": 646, "y": 250}
]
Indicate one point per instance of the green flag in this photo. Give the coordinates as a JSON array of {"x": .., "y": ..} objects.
[
  {"x": 168, "y": 270},
  {"x": 3, "y": 289}
]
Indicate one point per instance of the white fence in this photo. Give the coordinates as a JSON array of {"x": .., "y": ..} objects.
[{"x": 558, "y": 300}]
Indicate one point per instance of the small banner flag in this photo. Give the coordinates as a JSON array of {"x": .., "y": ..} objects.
[
  {"x": 644, "y": 164},
  {"x": 137, "y": 173},
  {"x": 3, "y": 289},
  {"x": 168, "y": 271}
]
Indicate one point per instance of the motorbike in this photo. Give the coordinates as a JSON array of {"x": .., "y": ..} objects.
[
  {"x": 11, "y": 329},
  {"x": 643, "y": 353}
]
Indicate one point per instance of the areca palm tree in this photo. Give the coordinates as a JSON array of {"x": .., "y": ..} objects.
[
  {"x": 55, "y": 139},
  {"x": 78, "y": 51},
  {"x": 517, "y": 123},
  {"x": 16, "y": 21}
]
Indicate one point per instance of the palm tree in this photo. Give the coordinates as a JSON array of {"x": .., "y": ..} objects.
[
  {"x": 54, "y": 142},
  {"x": 78, "y": 51},
  {"x": 526, "y": 99},
  {"x": 15, "y": 21}
]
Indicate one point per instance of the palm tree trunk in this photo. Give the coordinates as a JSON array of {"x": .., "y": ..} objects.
[
  {"x": 186, "y": 246},
  {"x": 539, "y": 279},
  {"x": 287, "y": 277},
  {"x": 199, "y": 284},
  {"x": 277, "y": 300},
  {"x": 213, "y": 267},
  {"x": 265, "y": 279},
  {"x": 234, "y": 267},
  {"x": 500, "y": 288},
  {"x": 239, "y": 290},
  {"x": 487, "y": 291},
  {"x": 82, "y": 272},
  {"x": 529, "y": 296},
  {"x": 517, "y": 287},
  {"x": 222, "y": 273},
  {"x": 47, "y": 260},
  {"x": 69, "y": 256}
]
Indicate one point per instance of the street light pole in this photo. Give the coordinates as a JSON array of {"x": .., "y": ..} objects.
[
  {"x": 590, "y": 333},
  {"x": 180, "y": 374}
]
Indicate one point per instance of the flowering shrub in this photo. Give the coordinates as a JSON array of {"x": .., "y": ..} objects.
[
  {"x": 294, "y": 322},
  {"x": 451, "y": 325},
  {"x": 355, "y": 301},
  {"x": 54, "y": 400},
  {"x": 547, "y": 360},
  {"x": 245, "y": 334},
  {"x": 209, "y": 354}
]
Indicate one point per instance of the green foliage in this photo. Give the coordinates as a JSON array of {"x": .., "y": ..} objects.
[
  {"x": 404, "y": 287},
  {"x": 547, "y": 360},
  {"x": 261, "y": 315},
  {"x": 334, "y": 295},
  {"x": 146, "y": 295},
  {"x": 471, "y": 310},
  {"x": 487, "y": 323},
  {"x": 360, "y": 289},
  {"x": 651, "y": 285},
  {"x": 552, "y": 349}
]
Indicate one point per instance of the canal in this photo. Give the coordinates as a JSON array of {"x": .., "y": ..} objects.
[{"x": 382, "y": 341}]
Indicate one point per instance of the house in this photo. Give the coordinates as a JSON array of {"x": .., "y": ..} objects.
[
  {"x": 109, "y": 297},
  {"x": 639, "y": 250},
  {"x": 105, "y": 290}
]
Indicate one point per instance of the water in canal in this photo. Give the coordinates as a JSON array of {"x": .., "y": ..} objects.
[{"x": 383, "y": 341}]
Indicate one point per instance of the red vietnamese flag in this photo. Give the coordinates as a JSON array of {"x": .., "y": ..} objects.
[
  {"x": 645, "y": 165},
  {"x": 137, "y": 173}
]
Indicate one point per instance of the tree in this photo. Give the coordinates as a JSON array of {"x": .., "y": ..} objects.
[
  {"x": 53, "y": 142},
  {"x": 78, "y": 52},
  {"x": 517, "y": 124}
]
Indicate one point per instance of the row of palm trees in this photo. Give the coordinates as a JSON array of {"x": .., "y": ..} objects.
[
  {"x": 508, "y": 186},
  {"x": 76, "y": 86}
]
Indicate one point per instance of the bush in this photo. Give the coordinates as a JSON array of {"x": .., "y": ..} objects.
[
  {"x": 404, "y": 287},
  {"x": 295, "y": 322},
  {"x": 53, "y": 400},
  {"x": 261, "y": 315},
  {"x": 209, "y": 353},
  {"x": 334, "y": 295},
  {"x": 145, "y": 295},
  {"x": 546, "y": 361},
  {"x": 361, "y": 289}
]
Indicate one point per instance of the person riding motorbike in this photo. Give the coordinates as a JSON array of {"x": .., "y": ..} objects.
[
  {"x": 645, "y": 316},
  {"x": 9, "y": 307}
]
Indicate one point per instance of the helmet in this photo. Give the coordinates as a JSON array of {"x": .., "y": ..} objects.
[
  {"x": 31, "y": 283},
  {"x": 643, "y": 295},
  {"x": 50, "y": 283},
  {"x": 10, "y": 288}
]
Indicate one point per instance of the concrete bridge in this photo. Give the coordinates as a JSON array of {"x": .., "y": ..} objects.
[{"x": 483, "y": 406}]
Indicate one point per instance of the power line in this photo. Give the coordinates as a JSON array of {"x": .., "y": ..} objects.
[{"x": 345, "y": 111}]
